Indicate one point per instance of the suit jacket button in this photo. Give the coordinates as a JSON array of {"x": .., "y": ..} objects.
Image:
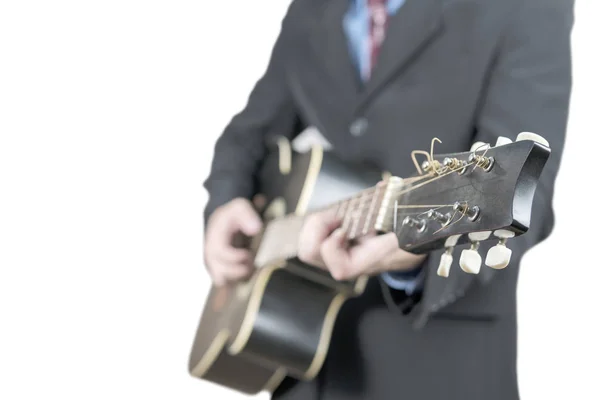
[{"x": 359, "y": 127}]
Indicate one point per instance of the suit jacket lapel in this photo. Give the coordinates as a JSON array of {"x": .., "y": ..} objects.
[
  {"x": 408, "y": 31},
  {"x": 330, "y": 43}
]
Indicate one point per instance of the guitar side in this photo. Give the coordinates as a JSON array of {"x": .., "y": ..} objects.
[
  {"x": 209, "y": 358},
  {"x": 278, "y": 324}
]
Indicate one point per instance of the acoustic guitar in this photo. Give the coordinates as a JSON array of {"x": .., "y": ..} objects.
[{"x": 279, "y": 322}]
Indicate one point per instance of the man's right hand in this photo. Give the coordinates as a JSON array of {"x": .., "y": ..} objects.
[{"x": 224, "y": 261}]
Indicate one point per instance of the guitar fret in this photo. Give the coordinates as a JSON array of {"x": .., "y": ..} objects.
[
  {"x": 341, "y": 209},
  {"x": 349, "y": 214},
  {"x": 360, "y": 216},
  {"x": 370, "y": 213}
]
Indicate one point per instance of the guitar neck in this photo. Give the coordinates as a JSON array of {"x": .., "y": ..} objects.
[{"x": 366, "y": 212}]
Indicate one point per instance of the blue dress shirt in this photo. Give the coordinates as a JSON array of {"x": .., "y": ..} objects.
[{"x": 356, "y": 27}]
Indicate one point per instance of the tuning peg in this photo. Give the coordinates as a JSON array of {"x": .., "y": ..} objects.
[
  {"x": 471, "y": 212},
  {"x": 501, "y": 141},
  {"x": 534, "y": 137},
  {"x": 478, "y": 146},
  {"x": 437, "y": 216},
  {"x": 470, "y": 260},
  {"x": 498, "y": 256},
  {"x": 446, "y": 259},
  {"x": 445, "y": 264},
  {"x": 418, "y": 223}
]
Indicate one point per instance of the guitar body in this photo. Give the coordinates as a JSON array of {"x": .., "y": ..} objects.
[{"x": 279, "y": 322}]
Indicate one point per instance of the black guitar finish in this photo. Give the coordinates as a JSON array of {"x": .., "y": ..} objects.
[
  {"x": 288, "y": 329},
  {"x": 279, "y": 323},
  {"x": 503, "y": 195}
]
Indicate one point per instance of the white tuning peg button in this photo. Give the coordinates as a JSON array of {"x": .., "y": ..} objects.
[
  {"x": 470, "y": 261},
  {"x": 498, "y": 257},
  {"x": 446, "y": 259},
  {"x": 479, "y": 236},
  {"x": 533, "y": 137},
  {"x": 445, "y": 264},
  {"x": 501, "y": 141},
  {"x": 478, "y": 146}
]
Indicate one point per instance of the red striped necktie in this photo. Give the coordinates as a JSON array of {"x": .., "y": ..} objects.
[{"x": 378, "y": 19}]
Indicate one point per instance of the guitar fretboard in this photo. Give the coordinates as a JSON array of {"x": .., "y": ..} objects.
[{"x": 360, "y": 215}]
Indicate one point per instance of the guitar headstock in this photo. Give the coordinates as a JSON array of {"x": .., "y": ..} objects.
[{"x": 471, "y": 197}]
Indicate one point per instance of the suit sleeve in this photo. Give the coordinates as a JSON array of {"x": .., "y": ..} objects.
[
  {"x": 529, "y": 90},
  {"x": 241, "y": 147}
]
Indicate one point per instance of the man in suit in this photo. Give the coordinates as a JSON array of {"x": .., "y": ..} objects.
[{"x": 377, "y": 79}]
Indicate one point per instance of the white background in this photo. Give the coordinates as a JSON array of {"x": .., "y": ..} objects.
[{"x": 108, "y": 115}]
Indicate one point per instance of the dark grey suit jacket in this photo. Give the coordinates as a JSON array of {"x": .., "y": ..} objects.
[{"x": 459, "y": 70}]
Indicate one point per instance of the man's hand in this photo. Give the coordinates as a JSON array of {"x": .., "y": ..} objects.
[
  {"x": 224, "y": 261},
  {"x": 323, "y": 243}
]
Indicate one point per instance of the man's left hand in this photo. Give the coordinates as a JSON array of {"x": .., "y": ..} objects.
[{"x": 323, "y": 243}]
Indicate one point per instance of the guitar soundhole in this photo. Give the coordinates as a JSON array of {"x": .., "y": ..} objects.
[{"x": 220, "y": 298}]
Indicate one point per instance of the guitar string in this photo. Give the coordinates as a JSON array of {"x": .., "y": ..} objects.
[
  {"x": 368, "y": 195},
  {"x": 331, "y": 207},
  {"x": 365, "y": 195},
  {"x": 408, "y": 190},
  {"x": 441, "y": 175}
]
